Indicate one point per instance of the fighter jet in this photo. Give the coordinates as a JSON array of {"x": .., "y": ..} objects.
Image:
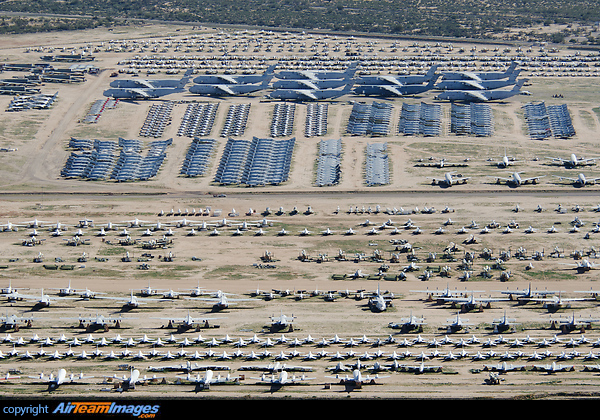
[
  {"x": 481, "y": 95},
  {"x": 147, "y": 93},
  {"x": 310, "y": 94},
  {"x": 516, "y": 181}
]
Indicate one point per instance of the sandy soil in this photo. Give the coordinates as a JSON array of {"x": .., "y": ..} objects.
[{"x": 33, "y": 189}]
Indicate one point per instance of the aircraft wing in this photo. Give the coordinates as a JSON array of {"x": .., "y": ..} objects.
[
  {"x": 476, "y": 95},
  {"x": 138, "y": 93},
  {"x": 307, "y": 94},
  {"x": 391, "y": 90},
  {"x": 225, "y": 89}
]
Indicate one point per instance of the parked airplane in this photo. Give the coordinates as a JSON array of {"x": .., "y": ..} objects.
[
  {"x": 147, "y": 93},
  {"x": 580, "y": 181},
  {"x": 357, "y": 379},
  {"x": 235, "y": 89},
  {"x": 316, "y": 84},
  {"x": 553, "y": 368},
  {"x": 233, "y": 79},
  {"x": 481, "y": 95},
  {"x": 61, "y": 378},
  {"x": 397, "y": 80},
  {"x": 515, "y": 180},
  {"x": 479, "y": 76},
  {"x": 283, "y": 379},
  {"x": 208, "y": 379},
  {"x": 393, "y": 90},
  {"x": 147, "y": 83},
  {"x": 126, "y": 383},
  {"x": 506, "y": 161},
  {"x": 315, "y": 74},
  {"x": 470, "y": 84},
  {"x": 573, "y": 161},
  {"x": 309, "y": 94},
  {"x": 504, "y": 367},
  {"x": 449, "y": 180}
]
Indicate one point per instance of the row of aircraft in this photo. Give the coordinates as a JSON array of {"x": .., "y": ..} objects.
[
  {"x": 314, "y": 85},
  {"x": 514, "y": 180}
]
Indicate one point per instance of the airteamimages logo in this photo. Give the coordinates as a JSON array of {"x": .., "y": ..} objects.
[{"x": 142, "y": 411}]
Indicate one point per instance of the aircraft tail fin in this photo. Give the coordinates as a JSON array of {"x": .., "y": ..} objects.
[
  {"x": 433, "y": 79},
  {"x": 432, "y": 71},
  {"x": 266, "y": 79},
  {"x": 351, "y": 70},
  {"x": 511, "y": 68},
  {"x": 270, "y": 70},
  {"x": 186, "y": 78},
  {"x": 519, "y": 84},
  {"x": 514, "y": 75}
]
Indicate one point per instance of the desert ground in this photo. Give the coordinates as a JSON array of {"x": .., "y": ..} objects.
[{"x": 33, "y": 189}]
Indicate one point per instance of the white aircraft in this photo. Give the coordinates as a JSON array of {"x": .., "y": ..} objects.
[
  {"x": 449, "y": 180},
  {"x": 208, "y": 379},
  {"x": 516, "y": 181},
  {"x": 305, "y": 232},
  {"x": 504, "y": 367},
  {"x": 506, "y": 161},
  {"x": 357, "y": 379},
  {"x": 580, "y": 181},
  {"x": 61, "y": 378},
  {"x": 283, "y": 379},
  {"x": 554, "y": 367},
  {"x": 555, "y": 302},
  {"x": 573, "y": 161},
  {"x": 327, "y": 232},
  {"x": 127, "y": 383}
]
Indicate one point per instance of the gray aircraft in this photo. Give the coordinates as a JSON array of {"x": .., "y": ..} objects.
[
  {"x": 478, "y": 85},
  {"x": 229, "y": 79},
  {"x": 397, "y": 80},
  {"x": 316, "y": 84},
  {"x": 393, "y": 90},
  {"x": 147, "y": 93},
  {"x": 479, "y": 76},
  {"x": 231, "y": 89},
  {"x": 310, "y": 94},
  {"x": 148, "y": 83},
  {"x": 314, "y": 74},
  {"x": 481, "y": 95}
]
